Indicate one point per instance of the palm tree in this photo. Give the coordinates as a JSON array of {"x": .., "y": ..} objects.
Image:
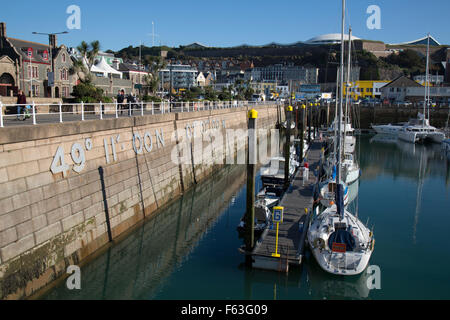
[
  {"x": 155, "y": 64},
  {"x": 83, "y": 67}
]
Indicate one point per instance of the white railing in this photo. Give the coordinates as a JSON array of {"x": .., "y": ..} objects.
[{"x": 64, "y": 112}]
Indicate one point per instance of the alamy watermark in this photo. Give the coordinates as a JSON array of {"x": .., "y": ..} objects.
[
  {"x": 374, "y": 21},
  {"x": 374, "y": 278},
  {"x": 73, "y": 282},
  {"x": 74, "y": 20}
]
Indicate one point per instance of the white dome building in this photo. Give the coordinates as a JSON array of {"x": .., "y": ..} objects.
[{"x": 332, "y": 38}]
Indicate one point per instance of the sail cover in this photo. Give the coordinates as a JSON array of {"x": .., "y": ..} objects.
[{"x": 340, "y": 200}]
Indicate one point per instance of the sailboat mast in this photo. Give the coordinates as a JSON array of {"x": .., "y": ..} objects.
[
  {"x": 348, "y": 82},
  {"x": 426, "y": 83},
  {"x": 341, "y": 98}
]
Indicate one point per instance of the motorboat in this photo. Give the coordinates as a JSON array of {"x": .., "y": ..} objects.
[
  {"x": 388, "y": 129},
  {"x": 273, "y": 174},
  {"x": 263, "y": 217},
  {"x": 269, "y": 196}
]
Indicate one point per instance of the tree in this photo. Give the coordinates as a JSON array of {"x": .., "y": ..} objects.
[
  {"x": 155, "y": 65},
  {"x": 83, "y": 66},
  {"x": 210, "y": 94}
]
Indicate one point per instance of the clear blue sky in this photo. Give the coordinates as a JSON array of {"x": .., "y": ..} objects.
[{"x": 118, "y": 24}]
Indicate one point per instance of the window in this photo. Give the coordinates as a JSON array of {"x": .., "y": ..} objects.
[
  {"x": 45, "y": 55},
  {"x": 64, "y": 57},
  {"x": 35, "y": 89},
  {"x": 64, "y": 75},
  {"x": 33, "y": 72},
  {"x": 65, "y": 92}
]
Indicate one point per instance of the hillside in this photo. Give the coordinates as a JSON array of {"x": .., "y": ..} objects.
[{"x": 409, "y": 62}]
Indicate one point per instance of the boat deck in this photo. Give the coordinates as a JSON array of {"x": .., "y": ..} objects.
[{"x": 292, "y": 237}]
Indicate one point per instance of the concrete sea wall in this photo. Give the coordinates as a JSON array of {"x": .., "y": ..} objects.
[{"x": 69, "y": 189}]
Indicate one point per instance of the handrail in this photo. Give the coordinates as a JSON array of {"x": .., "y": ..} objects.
[{"x": 63, "y": 112}]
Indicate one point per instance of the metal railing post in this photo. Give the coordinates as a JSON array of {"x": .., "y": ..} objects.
[
  {"x": 129, "y": 109},
  {"x": 60, "y": 112},
  {"x": 101, "y": 110},
  {"x": 1, "y": 114},
  {"x": 153, "y": 108},
  {"x": 117, "y": 113},
  {"x": 82, "y": 111},
  {"x": 142, "y": 108},
  {"x": 34, "y": 113}
]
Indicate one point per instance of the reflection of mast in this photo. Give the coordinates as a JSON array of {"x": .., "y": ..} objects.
[{"x": 422, "y": 168}]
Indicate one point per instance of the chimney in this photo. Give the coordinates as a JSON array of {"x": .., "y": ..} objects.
[
  {"x": 53, "y": 41},
  {"x": 2, "y": 30}
]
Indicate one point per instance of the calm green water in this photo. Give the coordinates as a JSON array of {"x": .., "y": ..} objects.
[{"x": 189, "y": 251}]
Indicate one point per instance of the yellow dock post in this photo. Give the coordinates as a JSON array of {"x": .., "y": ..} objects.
[{"x": 278, "y": 218}]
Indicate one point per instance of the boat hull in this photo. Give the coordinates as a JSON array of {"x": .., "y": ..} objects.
[{"x": 326, "y": 266}]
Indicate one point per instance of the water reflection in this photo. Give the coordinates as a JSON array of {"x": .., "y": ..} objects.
[
  {"x": 415, "y": 161},
  {"x": 326, "y": 286},
  {"x": 137, "y": 267},
  {"x": 390, "y": 155}
]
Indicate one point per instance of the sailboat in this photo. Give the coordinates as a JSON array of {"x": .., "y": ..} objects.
[
  {"x": 420, "y": 130},
  {"x": 340, "y": 243},
  {"x": 351, "y": 171}
]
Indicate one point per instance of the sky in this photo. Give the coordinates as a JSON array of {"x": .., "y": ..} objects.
[{"x": 119, "y": 24}]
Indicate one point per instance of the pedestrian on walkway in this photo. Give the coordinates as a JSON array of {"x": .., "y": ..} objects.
[
  {"x": 305, "y": 172},
  {"x": 120, "y": 100},
  {"x": 21, "y": 103}
]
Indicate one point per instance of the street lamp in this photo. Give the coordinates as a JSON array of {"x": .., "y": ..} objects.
[{"x": 50, "y": 36}]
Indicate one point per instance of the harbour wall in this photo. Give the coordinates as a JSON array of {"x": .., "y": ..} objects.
[
  {"x": 69, "y": 189},
  {"x": 160, "y": 245}
]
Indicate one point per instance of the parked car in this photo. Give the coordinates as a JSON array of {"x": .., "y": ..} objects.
[{"x": 403, "y": 104}]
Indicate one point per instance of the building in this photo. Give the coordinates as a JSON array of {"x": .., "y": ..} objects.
[
  {"x": 421, "y": 41},
  {"x": 365, "y": 89},
  {"x": 40, "y": 70},
  {"x": 282, "y": 73},
  {"x": 400, "y": 89},
  {"x": 136, "y": 74},
  {"x": 110, "y": 59},
  {"x": 201, "y": 80},
  {"x": 434, "y": 80},
  {"x": 264, "y": 87},
  {"x": 331, "y": 39},
  {"x": 181, "y": 76}
]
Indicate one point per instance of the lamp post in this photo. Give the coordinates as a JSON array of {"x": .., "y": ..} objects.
[{"x": 51, "y": 38}]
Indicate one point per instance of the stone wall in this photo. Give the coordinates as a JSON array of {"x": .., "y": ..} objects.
[{"x": 56, "y": 208}]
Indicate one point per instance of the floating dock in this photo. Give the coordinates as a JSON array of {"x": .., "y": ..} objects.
[{"x": 293, "y": 230}]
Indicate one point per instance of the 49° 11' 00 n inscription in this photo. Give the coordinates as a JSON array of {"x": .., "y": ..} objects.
[{"x": 111, "y": 146}]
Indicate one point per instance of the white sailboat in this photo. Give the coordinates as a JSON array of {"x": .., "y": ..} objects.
[
  {"x": 420, "y": 129},
  {"x": 327, "y": 193},
  {"x": 339, "y": 242}
]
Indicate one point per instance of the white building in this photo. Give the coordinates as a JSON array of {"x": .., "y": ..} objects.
[
  {"x": 433, "y": 79},
  {"x": 182, "y": 76}
]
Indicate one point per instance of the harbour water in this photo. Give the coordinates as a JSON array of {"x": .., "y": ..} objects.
[{"x": 189, "y": 250}]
